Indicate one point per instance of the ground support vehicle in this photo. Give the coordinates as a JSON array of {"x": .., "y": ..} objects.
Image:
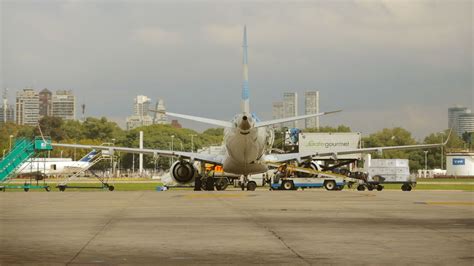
[{"x": 295, "y": 182}]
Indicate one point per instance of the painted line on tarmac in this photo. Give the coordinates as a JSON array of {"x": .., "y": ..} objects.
[
  {"x": 448, "y": 203},
  {"x": 216, "y": 196}
]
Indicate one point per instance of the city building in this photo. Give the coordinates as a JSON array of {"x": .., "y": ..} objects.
[
  {"x": 140, "y": 117},
  {"x": 465, "y": 123},
  {"x": 45, "y": 97},
  {"x": 290, "y": 106},
  {"x": 278, "y": 111},
  {"x": 7, "y": 113},
  {"x": 135, "y": 121},
  {"x": 27, "y": 107},
  {"x": 160, "y": 116},
  {"x": 63, "y": 105},
  {"x": 311, "y": 106},
  {"x": 141, "y": 105},
  {"x": 454, "y": 114}
]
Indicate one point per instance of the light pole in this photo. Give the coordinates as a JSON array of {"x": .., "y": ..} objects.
[
  {"x": 192, "y": 142},
  {"x": 426, "y": 160},
  {"x": 4, "y": 154},
  {"x": 442, "y": 149},
  {"x": 62, "y": 153},
  {"x": 112, "y": 168},
  {"x": 181, "y": 145},
  {"x": 172, "y": 148},
  {"x": 11, "y": 137},
  {"x": 133, "y": 163}
]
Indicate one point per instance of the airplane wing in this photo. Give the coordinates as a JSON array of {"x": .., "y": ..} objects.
[
  {"x": 279, "y": 158},
  {"x": 214, "y": 159}
]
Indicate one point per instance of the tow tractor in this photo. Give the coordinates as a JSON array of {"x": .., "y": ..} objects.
[{"x": 286, "y": 179}]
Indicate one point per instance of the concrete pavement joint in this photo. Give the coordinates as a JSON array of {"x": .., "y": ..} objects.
[
  {"x": 272, "y": 232},
  {"x": 112, "y": 217}
]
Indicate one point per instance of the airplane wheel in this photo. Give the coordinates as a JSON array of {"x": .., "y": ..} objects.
[
  {"x": 360, "y": 187},
  {"x": 330, "y": 185},
  {"x": 251, "y": 186},
  {"x": 62, "y": 188},
  {"x": 287, "y": 185},
  {"x": 111, "y": 188},
  {"x": 379, "y": 187},
  {"x": 222, "y": 184}
]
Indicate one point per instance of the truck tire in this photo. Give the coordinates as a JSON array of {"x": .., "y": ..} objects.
[
  {"x": 406, "y": 187},
  {"x": 251, "y": 186},
  {"x": 360, "y": 187},
  {"x": 330, "y": 185},
  {"x": 287, "y": 185},
  {"x": 379, "y": 187}
]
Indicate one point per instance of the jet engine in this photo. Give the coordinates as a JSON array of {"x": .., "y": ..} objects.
[
  {"x": 312, "y": 165},
  {"x": 183, "y": 172}
]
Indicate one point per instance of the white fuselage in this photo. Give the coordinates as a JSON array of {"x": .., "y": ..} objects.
[
  {"x": 52, "y": 166},
  {"x": 245, "y": 148}
]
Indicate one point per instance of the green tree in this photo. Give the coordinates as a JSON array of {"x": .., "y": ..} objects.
[
  {"x": 51, "y": 126},
  {"x": 101, "y": 129},
  {"x": 328, "y": 129}
]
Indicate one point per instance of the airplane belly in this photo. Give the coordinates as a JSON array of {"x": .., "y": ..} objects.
[
  {"x": 245, "y": 149},
  {"x": 233, "y": 167}
]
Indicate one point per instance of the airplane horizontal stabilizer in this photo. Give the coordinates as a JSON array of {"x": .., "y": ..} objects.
[
  {"x": 290, "y": 119},
  {"x": 202, "y": 119}
]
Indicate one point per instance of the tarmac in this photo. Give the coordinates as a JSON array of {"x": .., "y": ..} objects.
[{"x": 237, "y": 227}]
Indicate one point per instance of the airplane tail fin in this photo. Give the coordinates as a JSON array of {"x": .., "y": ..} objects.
[
  {"x": 89, "y": 156},
  {"x": 245, "y": 104}
]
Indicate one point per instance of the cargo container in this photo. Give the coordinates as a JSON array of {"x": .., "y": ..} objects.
[{"x": 387, "y": 171}]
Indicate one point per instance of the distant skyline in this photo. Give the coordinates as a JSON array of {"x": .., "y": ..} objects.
[{"x": 385, "y": 63}]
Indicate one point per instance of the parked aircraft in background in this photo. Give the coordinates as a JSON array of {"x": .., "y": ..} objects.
[{"x": 55, "y": 166}]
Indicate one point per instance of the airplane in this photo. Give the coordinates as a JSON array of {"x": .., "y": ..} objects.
[
  {"x": 55, "y": 166},
  {"x": 247, "y": 143}
]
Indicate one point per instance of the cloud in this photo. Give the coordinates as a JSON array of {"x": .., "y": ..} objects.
[
  {"x": 223, "y": 34},
  {"x": 155, "y": 36}
]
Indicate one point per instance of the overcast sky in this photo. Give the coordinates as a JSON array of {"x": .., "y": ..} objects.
[{"x": 385, "y": 63}]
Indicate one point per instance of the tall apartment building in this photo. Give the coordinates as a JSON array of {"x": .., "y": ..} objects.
[
  {"x": 160, "y": 117},
  {"x": 278, "y": 111},
  {"x": 465, "y": 123},
  {"x": 27, "y": 107},
  {"x": 141, "y": 105},
  {"x": 63, "y": 105},
  {"x": 311, "y": 106},
  {"x": 45, "y": 97},
  {"x": 290, "y": 106},
  {"x": 140, "y": 117},
  {"x": 454, "y": 119}
]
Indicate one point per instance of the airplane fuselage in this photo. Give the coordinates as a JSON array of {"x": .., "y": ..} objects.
[{"x": 245, "y": 146}]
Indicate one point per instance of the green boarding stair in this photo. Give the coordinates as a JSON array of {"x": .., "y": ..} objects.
[{"x": 21, "y": 152}]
